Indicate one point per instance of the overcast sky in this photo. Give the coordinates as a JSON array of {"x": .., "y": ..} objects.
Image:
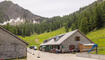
[{"x": 50, "y": 8}]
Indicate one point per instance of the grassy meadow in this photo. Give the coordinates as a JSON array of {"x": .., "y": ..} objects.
[
  {"x": 38, "y": 39},
  {"x": 97, "y": 37}
]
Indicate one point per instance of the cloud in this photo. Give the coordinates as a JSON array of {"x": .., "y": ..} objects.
[{"x": 49, "y": 8}]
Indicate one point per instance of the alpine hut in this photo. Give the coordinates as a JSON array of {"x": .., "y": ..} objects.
[{"x": 71, "y": 41}]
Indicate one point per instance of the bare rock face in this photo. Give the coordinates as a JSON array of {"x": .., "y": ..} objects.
[{"x": 9, "y": 10}]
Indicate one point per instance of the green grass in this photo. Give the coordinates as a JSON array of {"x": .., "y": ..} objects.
[
  {"x": 101, "y": 51},
  {"x": 97, "y": 37},
  {"x": 38, "y": 39}
]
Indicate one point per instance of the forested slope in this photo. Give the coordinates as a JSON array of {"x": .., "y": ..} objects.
[{"x": 87, "y": 19}]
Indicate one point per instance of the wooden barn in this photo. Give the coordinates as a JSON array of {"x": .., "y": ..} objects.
[
  {"x": 11, "y": 46},
  {"x": 71, "y": 41}
]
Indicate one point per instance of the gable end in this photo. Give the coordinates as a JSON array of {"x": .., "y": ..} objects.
[{"x": 13, "y": 35}]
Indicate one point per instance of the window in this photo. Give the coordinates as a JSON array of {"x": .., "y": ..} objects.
[
  {"x": 62, "y": 46},
  {"x": 77, "y": 38},
  {"x": 55, "y": 39}
]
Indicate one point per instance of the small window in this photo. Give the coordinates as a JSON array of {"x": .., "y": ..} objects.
[
  {"x": 62, "y": 46},
  {"x": 55, "y": 39},
  {"x": 77, "y": 38}
]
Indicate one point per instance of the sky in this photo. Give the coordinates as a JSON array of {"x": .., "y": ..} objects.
[{"x": 50, "y": 8}]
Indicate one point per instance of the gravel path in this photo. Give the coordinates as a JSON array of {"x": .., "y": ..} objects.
[{"x": 33, "y": 55}]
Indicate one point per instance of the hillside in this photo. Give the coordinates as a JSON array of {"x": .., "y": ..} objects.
[
  {"x": 88, "y": 18},
  {"x": 97, "y": 37},
  {"x": 10, "y": 11},
  {"x": 36, "y": 39}
]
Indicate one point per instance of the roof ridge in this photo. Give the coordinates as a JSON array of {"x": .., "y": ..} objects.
[{"x": 63, "y": 37}]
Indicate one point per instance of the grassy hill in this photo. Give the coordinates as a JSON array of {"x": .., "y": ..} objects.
[
  {"x": 38, "y": 39},
  {"x": 97, "y": 37}
]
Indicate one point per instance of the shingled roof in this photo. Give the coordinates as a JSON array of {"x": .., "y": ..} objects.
[{"x": 13, "y": 35}]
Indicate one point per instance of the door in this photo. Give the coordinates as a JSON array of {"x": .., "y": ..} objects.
[{"x": 72, "y": 47}]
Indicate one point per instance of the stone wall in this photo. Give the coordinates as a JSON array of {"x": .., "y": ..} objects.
[
  {"x": 11, "y": 47},
  {"x": 94, "y": 56},
  {"x": 71, "y": 41}
]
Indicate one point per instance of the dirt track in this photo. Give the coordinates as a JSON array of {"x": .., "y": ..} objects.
[{"x": 52, "y": 56}]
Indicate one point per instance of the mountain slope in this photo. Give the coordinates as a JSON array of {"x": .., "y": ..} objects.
[
  {"x": 97, "y": 36},
  {"x": 9, "y": 10},
  {"x": 36, "y": 39}
]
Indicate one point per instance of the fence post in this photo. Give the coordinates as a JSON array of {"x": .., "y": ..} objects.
[{"x": 97, "y": 50}]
